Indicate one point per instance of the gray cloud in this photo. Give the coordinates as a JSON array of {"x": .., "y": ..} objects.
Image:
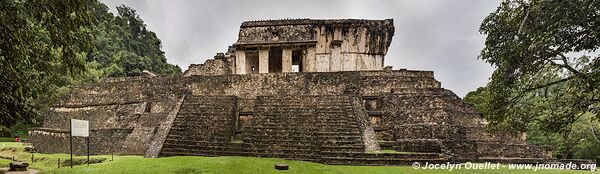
[{"x": 436, "y": 35}]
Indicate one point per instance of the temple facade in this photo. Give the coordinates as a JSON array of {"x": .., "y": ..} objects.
[
  {"x": 313, "y": 90},
  {"x": 305, "y": 45}
]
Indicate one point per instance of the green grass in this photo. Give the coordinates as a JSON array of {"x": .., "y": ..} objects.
[
  {"x": 243, "y": 165},
  {"x": 47, "y": 163},
  {"x": 7, "y": 139},
  {"x": 8, "y": 150},
  {"x": 4, "y": 162}
]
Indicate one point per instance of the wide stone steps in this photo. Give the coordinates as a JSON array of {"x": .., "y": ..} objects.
[
  {"x": 195, "y": 129},
  {"x": 301, "y": 157},
  {"x": 208, "y": 99},
  {"x": 295, "y": 122},
  {"x": 306, "y": 108},
  {"x": 317, "y": 122},
  {"x": 347, "y": 148},
  {"x": 316, "y": 133},
  {"x": 198, "y": 113},
  {"x": 300, "y": 129},
  {"x": 303, "y": 109},
  {"x": 305, "y": 142},
  {"x": 407, "y": 155},
  {"x": 304, "y": 137},
  {"x": 200, "y": 119},
  {"x": 296, "y": 148},
  {"x": 294, "y": 115},
  {"x": 213, "y": 138},
  {"x": 379, "y": 161},
  {"x": 324, "y": 125},
  {"x": 323, "y": 120},
  {"x": 311, "y": 128}
]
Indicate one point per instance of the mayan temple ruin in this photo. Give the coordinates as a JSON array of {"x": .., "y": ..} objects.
[{"x": 303, "y": 89}]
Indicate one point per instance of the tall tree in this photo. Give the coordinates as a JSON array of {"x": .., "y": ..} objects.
[
  {"x": 36, "y": 36},
  {"x": 524, "y": 37},
  {"x": 124, "y": 41},
  {"x": 547, "y": 64},
  {"x": 48, "y": 46}
]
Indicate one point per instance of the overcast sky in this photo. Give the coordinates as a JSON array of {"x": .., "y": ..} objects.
[{"x": 435, "y": 35}]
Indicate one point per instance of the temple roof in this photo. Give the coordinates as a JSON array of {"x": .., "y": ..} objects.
[
  {"x": 307, "y": 21},
  {"x": 378, "y": 33}
]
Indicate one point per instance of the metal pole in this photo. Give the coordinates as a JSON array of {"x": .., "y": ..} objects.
[
  {"x": 59, "y": 163},
  {"x": 71, "y": 141},
  {"x": 32, "y": 158},
  {"x": 88, "y": 149}
]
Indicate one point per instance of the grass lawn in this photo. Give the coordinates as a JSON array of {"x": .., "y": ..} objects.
[
  {"x": 8, "y": 150},
  {"x": 47, "y": 163},
  {"x": 7, "y": 139},
  {"x": 4, "y": 162}
]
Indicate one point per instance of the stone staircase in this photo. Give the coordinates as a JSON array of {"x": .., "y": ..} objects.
[
  {"x": 301, "y": 127},
  {"x": 319, "y": 128},
  {"x": 203, "y": 122}
]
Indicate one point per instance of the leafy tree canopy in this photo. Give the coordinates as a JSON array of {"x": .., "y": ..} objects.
[
  {"x": 48, "y": 46},
  {"x": 39, "y": 39},
  {"x": 546, "y": 78},
  {"x": 536, "y": 47}
]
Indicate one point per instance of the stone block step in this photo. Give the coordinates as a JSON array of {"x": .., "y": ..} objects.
[
  {"x": 205, "y": 143},
  {"x": 204, "y": 111},
  {"x": 301, "y": 157},
  {"x": 301, "y": 129},
  {"x": 201, "y": 119},
  {"x": 315, "y": 119},
  {"x": 407, "y": 155},
  {"x": 268, "y": 131},
  {"x": 379, "y": 161},
  {"x": 275, "y": 124},
  {"x": 301, "y": 137},
  {"x": 347, "y": 148},
  {"x": 200, "y": 129},
  {"x": 194, "y": 148},
  {"x": 321, "y": 142}
]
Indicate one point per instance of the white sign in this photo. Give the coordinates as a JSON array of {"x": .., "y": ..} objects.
[{"x": 80, "y": 128}]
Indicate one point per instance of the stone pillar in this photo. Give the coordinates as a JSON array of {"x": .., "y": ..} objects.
[
  {"x": 286, "y": 60},
  {"x": 322, "y": 62},
  {"x": 309, "y": 60},
  {"x": 349, "y": 62},
  {"x": 335, "y": 62},
  {"x": 263, "y": 60},
  {"x": 240, "y": 62}
]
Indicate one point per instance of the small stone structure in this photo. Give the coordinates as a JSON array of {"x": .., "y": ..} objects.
[
  {"x": 281, "y": 166},
  {"x": 303, "y": 89},
  {"x": 18, "y": 166}
]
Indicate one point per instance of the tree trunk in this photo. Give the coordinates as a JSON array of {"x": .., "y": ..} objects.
[{"x": 568, "y": 152}]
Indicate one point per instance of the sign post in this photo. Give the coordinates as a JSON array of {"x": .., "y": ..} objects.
[{"x": 79, "y": 128}]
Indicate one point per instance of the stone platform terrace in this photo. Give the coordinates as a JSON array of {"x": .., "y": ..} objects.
[
  {"x": 305, "y": 89},
  {"x": 329, "y": 117}
]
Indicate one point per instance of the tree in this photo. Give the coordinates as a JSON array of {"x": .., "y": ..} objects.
[
  {"x": 524, "y": 40},
  {"x": 39, "y": 40},
  {"x": 547, "y": 69},
  {"x": 125, "y": 41},
  {"x": 545, "y": 114},
  {"x": 49, "y": 46}
]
